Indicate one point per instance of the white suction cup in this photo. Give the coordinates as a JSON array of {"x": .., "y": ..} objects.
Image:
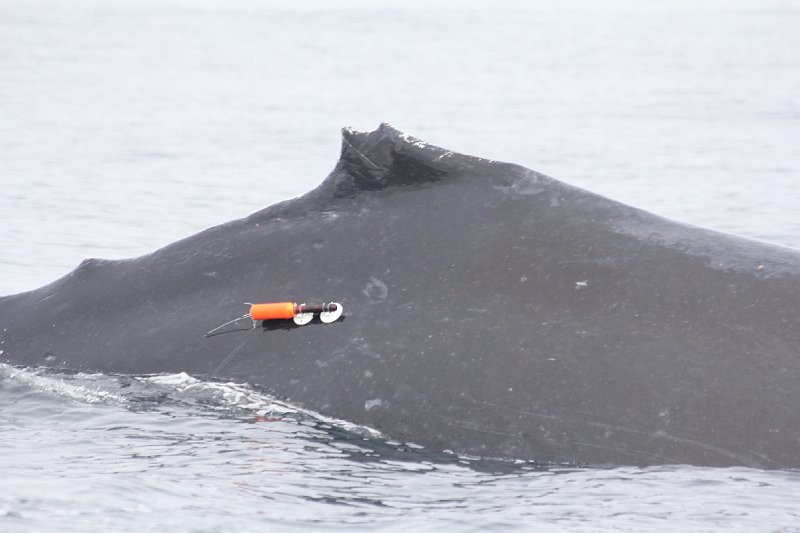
[
  {"x": 303, "y": 318},
  {"x": 331, "y": 316}
]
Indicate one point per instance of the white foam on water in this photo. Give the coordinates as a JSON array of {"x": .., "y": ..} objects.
[
  {"x": 56, "y": 385},
  {"x": 244, "y": 396}
]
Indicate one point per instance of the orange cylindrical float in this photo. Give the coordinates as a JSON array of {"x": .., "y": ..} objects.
[{"x": 272, "y": 311}]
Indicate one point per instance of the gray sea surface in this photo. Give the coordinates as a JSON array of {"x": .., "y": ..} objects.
[{"x": 126, "y": 125}]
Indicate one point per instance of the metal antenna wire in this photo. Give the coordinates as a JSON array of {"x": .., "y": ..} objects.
[{"x": 229, "y": 322}]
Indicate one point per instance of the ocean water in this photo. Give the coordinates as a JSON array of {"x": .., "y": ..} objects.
[
  {"x": 126, "y": 125},
  {"x": 171, "y": 453}
]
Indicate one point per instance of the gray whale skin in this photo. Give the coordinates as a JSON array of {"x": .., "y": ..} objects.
[{"x": 489, "y": 310}]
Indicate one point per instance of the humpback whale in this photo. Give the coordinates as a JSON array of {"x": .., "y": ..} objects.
[{"x": 488, "y": 310}]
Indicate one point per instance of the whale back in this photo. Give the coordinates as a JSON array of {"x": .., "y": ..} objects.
[{"x": 489, "y": 310}]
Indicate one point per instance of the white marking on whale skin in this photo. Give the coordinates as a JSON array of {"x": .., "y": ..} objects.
[
  {"x": 446, "y": 154},
  {"x": 369, "y": 405},
  {"x": 364, "y": 157},
  {"x": 530, "y": 185},
  {"x": 413, "y": 141},
  {"x": 375, "y": 289},
  {"x": 581, "y": 284}
]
